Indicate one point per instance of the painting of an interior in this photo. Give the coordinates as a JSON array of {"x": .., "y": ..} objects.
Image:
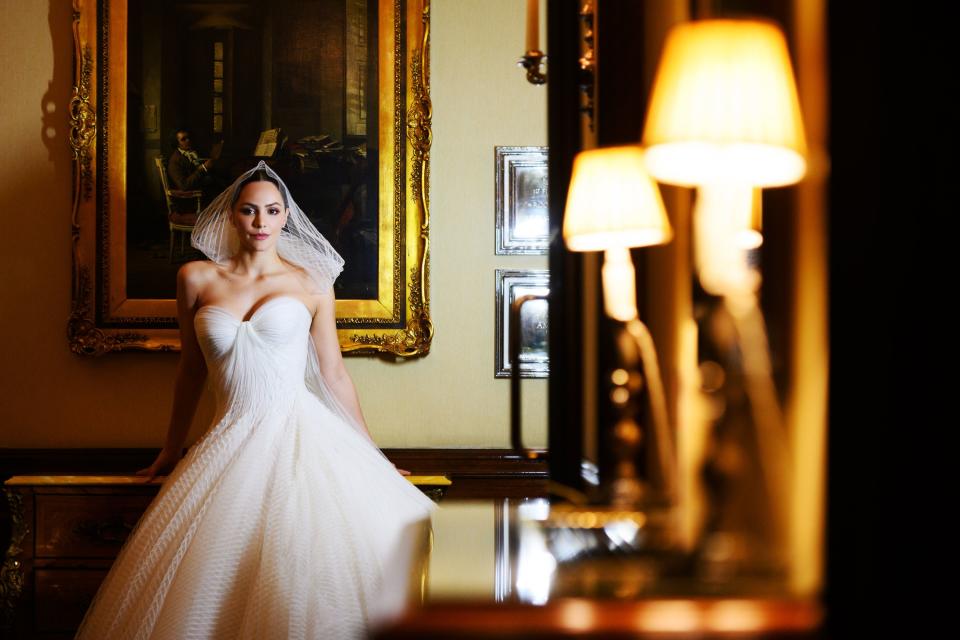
[
  {"x": 215, "y": 87},
  {"x": 266, "y": 274}
]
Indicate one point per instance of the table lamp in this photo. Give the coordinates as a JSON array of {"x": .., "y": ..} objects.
[
  {"x": 724, "y": 117},
  {"x": 612, "y": 206}
]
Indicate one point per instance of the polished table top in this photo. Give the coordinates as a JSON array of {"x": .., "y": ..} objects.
[
  {"x": 521, "y": 568},
  {"x": 492, "y": 573},
  {"x": 113, "y": 480}
]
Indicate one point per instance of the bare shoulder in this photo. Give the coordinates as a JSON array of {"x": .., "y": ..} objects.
[
  {"x": 318, "y": 300},
  {"x": 197, "y": 271},
  {"x": 323, "y": 304},
  {"x": 194, "y": 276},
  {"x": 299, "y": 274}
]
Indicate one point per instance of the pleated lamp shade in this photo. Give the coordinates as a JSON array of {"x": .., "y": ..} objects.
[
  {"x": 613, "y": 203},
  {"x": 724, "y": 107}
]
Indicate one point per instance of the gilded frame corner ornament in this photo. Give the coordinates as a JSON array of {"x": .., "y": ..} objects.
[{"x": 104, "y": 319}]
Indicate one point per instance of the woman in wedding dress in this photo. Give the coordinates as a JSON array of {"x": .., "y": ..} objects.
[{"x": 281, "y": 520}]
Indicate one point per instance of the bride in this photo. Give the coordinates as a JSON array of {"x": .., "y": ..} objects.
[{"x": 281, "y": 520}]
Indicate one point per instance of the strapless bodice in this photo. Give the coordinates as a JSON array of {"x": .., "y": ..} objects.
[{"x": 259, "y": 361}]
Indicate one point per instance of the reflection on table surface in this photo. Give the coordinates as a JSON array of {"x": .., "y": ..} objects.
[{"x": 514, "y": 568}]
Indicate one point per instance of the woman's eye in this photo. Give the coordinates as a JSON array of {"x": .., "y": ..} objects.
[{"x": 274, "y": 212}]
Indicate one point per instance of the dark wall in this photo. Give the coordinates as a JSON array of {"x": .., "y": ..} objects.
[
  {"x": 891, "y": 145},
  {"x": 308, "y": 55}
]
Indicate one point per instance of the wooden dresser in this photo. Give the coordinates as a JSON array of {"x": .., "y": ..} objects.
[{"x": 64, "y": 533}]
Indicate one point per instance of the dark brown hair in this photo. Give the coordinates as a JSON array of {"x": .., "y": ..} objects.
[{"x": 258, "y": 176}]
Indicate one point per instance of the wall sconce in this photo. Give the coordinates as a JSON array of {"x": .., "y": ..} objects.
[
  {"x": 534, "y": 57},
  {"x": 614, "y": 205}
]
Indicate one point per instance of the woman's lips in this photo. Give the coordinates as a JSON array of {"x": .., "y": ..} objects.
[{"x": 261, "y": 236}]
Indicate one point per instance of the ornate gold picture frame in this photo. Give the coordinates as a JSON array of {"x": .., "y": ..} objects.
[{"x": 105, "y": 317}]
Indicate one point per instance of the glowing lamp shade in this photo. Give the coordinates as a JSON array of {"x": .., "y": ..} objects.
[
  {"x": 613, "y": 205},
  {"x": 724, "y": 107},
  {"x": 613, "y": 202}
]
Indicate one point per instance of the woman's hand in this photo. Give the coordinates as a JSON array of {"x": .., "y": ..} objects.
[
  {"x": 403, "y": 472},
  {"x": 164, "y": 464}
]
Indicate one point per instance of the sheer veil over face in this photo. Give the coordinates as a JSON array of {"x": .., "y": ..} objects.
[{"x": 299, "y": 243}]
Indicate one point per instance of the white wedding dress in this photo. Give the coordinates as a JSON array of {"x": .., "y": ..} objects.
[{"x": 280, "y": 522}]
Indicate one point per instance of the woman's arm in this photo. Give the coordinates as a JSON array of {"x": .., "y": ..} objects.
[
  {"x": 334, "y": 372},
  {"x": 191, "y": 372}
]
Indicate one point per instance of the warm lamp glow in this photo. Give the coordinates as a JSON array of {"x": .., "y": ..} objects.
[
  {"x": 613, "y": 202},
  {"x": 725, "y": 107},
  {"x": 722, "y": 223},
  {"x": 619, "y": 285},
  {"x": 751, "y": 236}
]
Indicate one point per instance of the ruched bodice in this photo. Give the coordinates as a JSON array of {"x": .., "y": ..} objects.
[
  {"x": 281, "y": 522},
  {"x": 257, "y": 363}
]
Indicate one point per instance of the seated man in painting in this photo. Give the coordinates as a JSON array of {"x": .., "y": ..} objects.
[{"x": 186, "y": 170}]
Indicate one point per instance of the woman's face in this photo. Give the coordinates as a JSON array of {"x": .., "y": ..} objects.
[{"x": 259, "y": 215}]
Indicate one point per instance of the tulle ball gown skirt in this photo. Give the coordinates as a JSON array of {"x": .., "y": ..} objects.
[{"x": 282, "y": 522}]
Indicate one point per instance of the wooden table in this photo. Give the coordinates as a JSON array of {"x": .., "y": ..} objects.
[
  {"x": 65, "y": 531},
  {"x": 593, "y": 619}
]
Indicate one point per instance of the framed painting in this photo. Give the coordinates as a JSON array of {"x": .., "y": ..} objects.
[
  {"x": 332, "y": 94},
  {"x": 534, "y": 358},
  {"x": 522, "y": 207}
]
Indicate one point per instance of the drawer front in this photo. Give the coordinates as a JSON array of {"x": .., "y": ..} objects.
[
  {"x": 63, "y": 597},
  {"x": 85, "y": 526}
]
